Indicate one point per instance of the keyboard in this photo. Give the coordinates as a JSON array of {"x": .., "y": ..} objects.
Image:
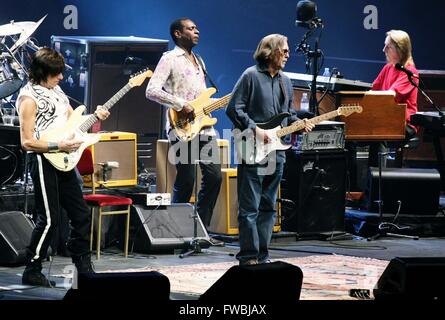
[
  {"x": 429, "y": 120},
  {"x": 302, "y": 80}
]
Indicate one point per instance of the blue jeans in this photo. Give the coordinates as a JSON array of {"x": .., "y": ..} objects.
[{"x": 257, "y": 196}]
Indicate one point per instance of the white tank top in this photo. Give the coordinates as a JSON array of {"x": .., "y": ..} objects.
[{"x": 52, "y": 106}]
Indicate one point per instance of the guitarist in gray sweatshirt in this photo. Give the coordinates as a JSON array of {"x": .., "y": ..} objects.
[{"x": 261, "y": 93}]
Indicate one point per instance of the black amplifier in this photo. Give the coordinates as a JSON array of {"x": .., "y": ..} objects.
[{"x": 327, "y": 135}]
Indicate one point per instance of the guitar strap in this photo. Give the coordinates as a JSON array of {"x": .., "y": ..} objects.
[
  {"x": 201, "y": 63},
  {"x": 283, "y": 88}
]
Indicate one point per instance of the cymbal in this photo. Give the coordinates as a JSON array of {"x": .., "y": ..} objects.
[
  {"x": 26, "y": 34},
  {"x": 15, "y": 27}
]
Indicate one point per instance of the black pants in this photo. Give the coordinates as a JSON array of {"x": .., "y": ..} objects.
[
  {"x": 53, "y": 190},
  {"x": 205, "y": 149}
]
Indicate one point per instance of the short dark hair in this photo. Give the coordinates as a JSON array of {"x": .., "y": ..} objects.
[
  {"x": 45, "y": 62},
  {"x": 177, "y": 25}
]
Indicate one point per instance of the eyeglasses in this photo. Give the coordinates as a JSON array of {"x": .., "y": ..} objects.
[{"x": 285, "y": 51}]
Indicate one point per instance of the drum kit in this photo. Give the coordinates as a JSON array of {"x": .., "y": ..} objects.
[{"x": 15, "y": 40}]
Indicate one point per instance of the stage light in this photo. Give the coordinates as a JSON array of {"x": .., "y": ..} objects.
[{"x": 306, "y": 15}]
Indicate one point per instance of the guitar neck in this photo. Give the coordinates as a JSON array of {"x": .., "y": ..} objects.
[
  {"x": 92, "y": 119},
  {"x": 217, "y": 104},
  {"x": 299, "y": 125}
]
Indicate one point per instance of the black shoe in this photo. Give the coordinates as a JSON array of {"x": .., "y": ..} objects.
[
  {"x": 83, "y": 263},
  {"x": 33, "y": 276}
]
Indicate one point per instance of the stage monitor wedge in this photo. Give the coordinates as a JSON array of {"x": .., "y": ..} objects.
[
  {"x": 148, "y": 286},
  {"x": 160, "y": 228},
  {"x": 420, "y": 278},
  {"x": 275, "y": 281},
  {"x": 15, "y": 235}
]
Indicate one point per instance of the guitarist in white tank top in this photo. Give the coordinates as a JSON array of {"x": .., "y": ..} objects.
[{"x": 42, "y": 105}]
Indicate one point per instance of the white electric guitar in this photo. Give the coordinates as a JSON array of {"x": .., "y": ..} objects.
[
  {"x": 253, "y": 150},
  {"x": 78, "y": 124}
]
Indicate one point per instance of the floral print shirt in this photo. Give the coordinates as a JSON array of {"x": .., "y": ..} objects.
[{"x": 175, "y": 81}]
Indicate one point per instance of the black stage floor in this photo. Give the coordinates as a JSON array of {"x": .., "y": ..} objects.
[
  {"x": 358, "y": 224},
  {"x": 283, "y": 246}
]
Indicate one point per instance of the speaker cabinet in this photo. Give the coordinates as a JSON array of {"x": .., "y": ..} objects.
[
  {"x": 13, "y": 199},
  {"x": 417, "y": 190},
  {"x": 225, "y": 215},
  {"x": 166, "y": 171},
  {"x": 12, "y": 163},
  {"x": 15, "y": 235},
  {"x": 164, "y": 228},
  {"x": 257, "y": 283},
  {"x": 118, "y": 147},
  {"x": 101, "y": 66},
  {"x": 315, "y": 182},
  {"x": 121, "y": 286},
  {"x": 412, "y": 278}
]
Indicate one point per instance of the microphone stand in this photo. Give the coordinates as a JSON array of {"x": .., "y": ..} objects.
[
  {"x": 195, "y": 244},
  {"x": 31, "y": 45},
  {"x": 15, "y": 59},
  {"x": 314, "y": 56},
  {"x": 427, "y": 97}
]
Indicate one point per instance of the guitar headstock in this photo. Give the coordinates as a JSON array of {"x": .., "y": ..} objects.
[
  {"x": 138, "y": 78},
  {"x": 348, "y": 109}
]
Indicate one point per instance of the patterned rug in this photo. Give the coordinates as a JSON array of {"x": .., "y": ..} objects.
[{"x": 325, "y": 277}]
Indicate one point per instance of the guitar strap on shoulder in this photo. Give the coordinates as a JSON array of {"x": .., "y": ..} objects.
[
  {"x": 283, "y": 88},
  {"x": 201, "y": 63}
]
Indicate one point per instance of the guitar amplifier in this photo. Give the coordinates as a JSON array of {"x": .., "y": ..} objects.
[
  {"x": 100, "y": 66},
  {"x": 225, "y": 215},
  {"x": 166, "y": 171},
  {"x": 327, "y": 135},
  {"x": 115, "y": 160}
]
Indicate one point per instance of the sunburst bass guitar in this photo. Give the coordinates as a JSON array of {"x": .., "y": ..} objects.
[
  {"x": 78, "y": 124},
  {"x": 254, "y": 151},
  {"x": 187, "y": 128}
]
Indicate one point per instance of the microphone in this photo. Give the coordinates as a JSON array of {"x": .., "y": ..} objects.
[
  {"x": 109, "y": 165},
  {"x": 32, "y": 45},
  {"x": 398, "y": 66}
]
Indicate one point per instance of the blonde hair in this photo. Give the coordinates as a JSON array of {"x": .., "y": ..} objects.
[
  {"x": 268, "y": 47},
  {"x": 403, "y": 46}
]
